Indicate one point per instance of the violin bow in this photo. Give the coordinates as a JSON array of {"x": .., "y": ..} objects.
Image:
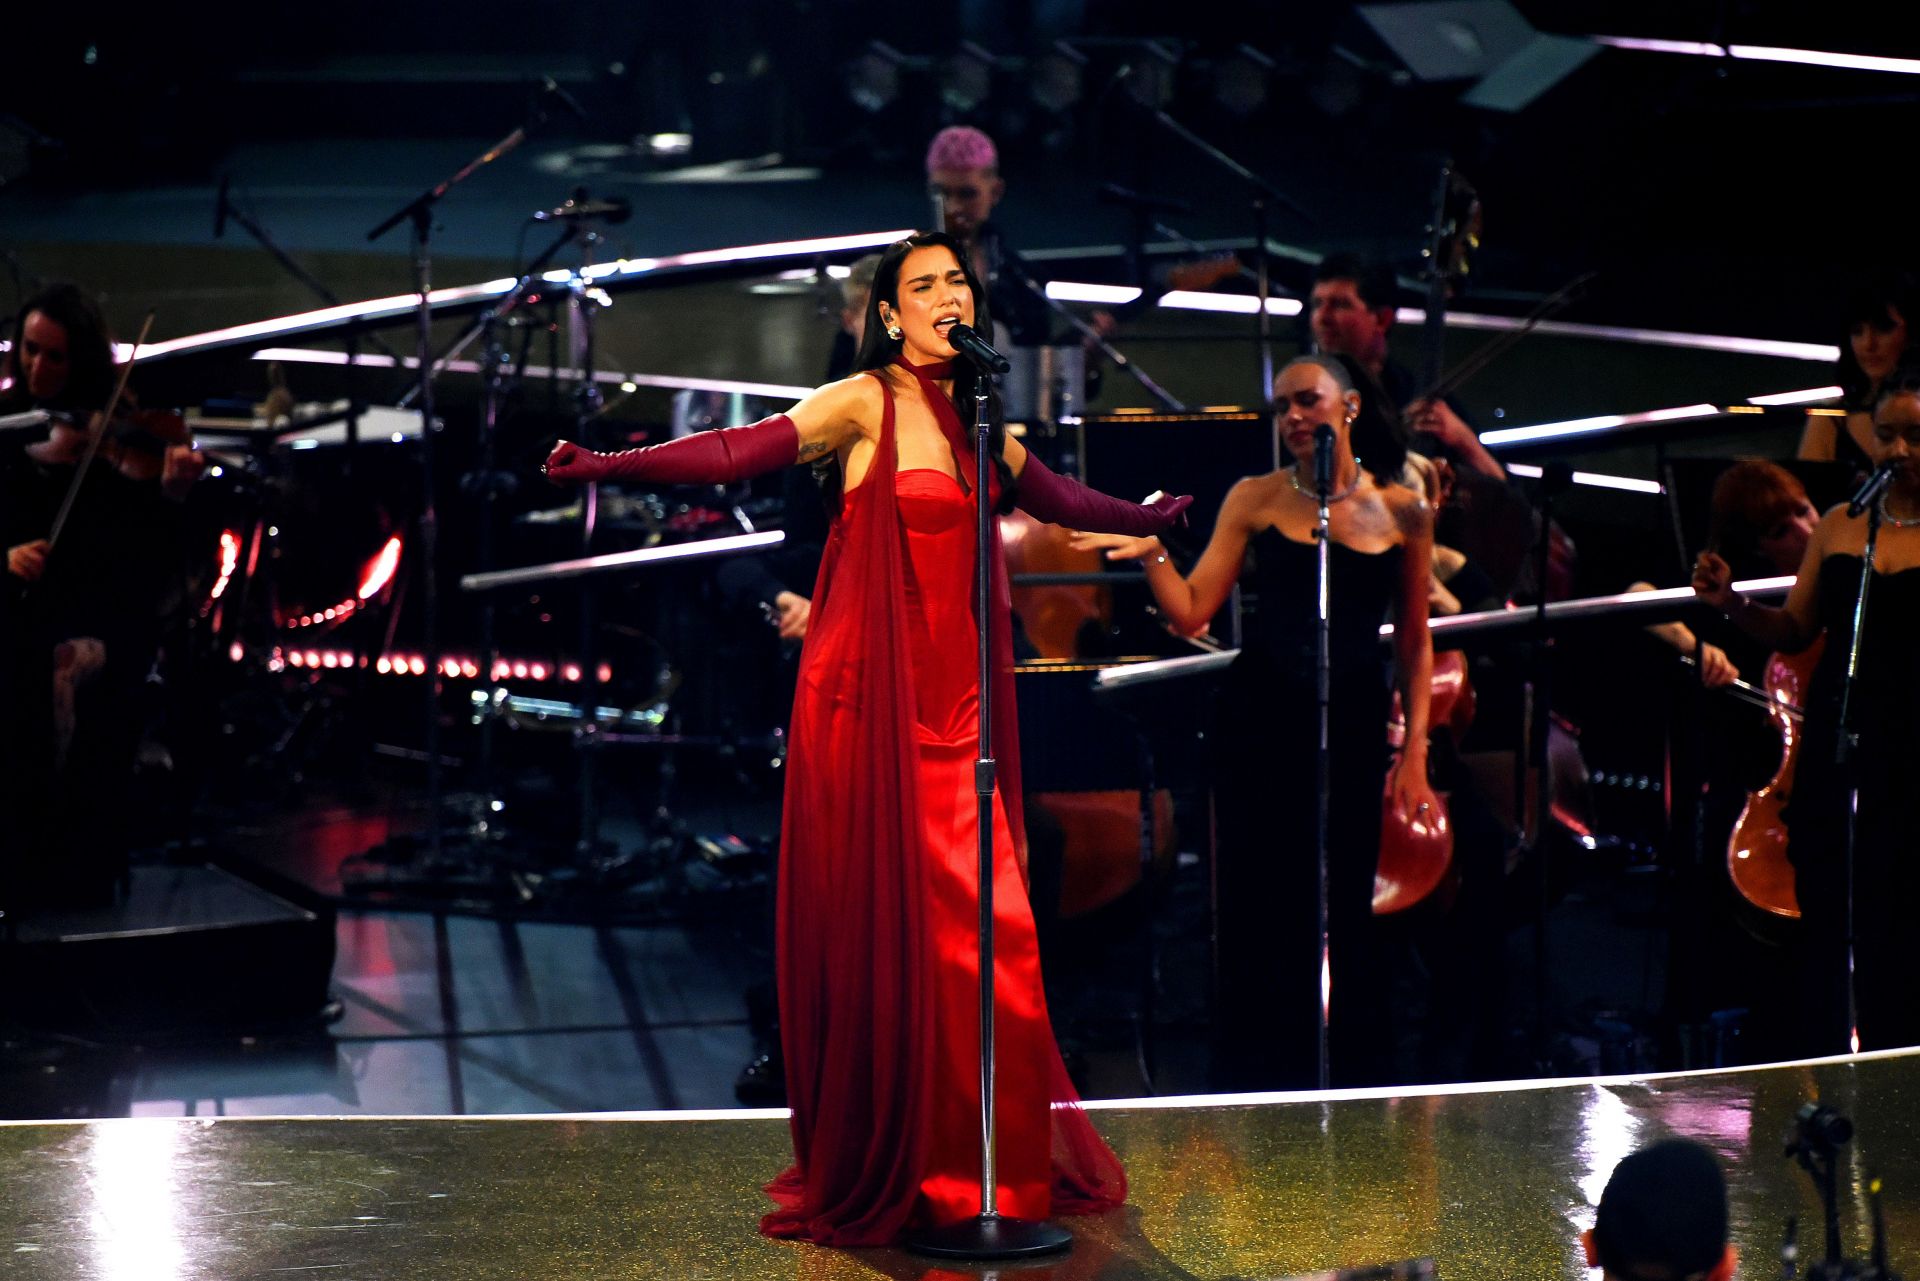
[
  {"x": 1455, "y": 378},
  {"x": 93, "y": 446}
]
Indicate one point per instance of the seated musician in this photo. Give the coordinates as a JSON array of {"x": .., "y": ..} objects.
[
  {"x": 82, "y": 615},
  {"x": 1876, "y": 316}
]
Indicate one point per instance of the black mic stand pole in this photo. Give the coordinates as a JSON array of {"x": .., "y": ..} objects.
[
  {"x": 419, "y": 212},
  {"x": 1323, "y": 466},
  {"x": 1556, "y": 478},
  {"x": 988, "y": 1235},
  {"x": 1846, "y": 743}
]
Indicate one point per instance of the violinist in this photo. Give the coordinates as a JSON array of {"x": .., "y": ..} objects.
[
  {"x": 82, "y": 614},
  {"x": 1876, "y": 314},
  {"x": 1884, "y": 711}
]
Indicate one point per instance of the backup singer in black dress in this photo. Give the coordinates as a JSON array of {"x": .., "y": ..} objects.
[
  {"x": 1885, "y": 713},
  {"x": 1267, "y": 730}
]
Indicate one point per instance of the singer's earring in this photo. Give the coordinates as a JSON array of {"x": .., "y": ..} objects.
[{"x": 894, "y": 332}]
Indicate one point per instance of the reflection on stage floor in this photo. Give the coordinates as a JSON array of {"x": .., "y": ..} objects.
[{"x": 1490, "y": 1182}]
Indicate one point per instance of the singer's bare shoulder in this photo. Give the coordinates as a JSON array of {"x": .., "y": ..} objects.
[{"x": 850, "y": 407}]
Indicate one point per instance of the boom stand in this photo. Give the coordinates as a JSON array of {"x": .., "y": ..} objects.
[
  {"x": 1263, "y": 193},
  {"x": 988, "y": 1235},
  {"x": 419, "y": 212}
]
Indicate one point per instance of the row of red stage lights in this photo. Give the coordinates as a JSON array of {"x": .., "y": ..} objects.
[{"x": 451, "y": 666}]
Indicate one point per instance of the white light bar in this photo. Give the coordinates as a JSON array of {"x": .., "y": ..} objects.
[
  {"x": 315, "y": 356},
  {"x": 1233, "y": 304},
  {"x": 1811, "y": 395},
  {"x": 1081, "y": 291},
  {"x": 622, "y": 560},
  {"x": 629, "y": 267},
  {"x": 1599, "y": 480},
  {"x": 305, "y": 321},
  {"x": 1822, "y": 352},
  {"x": 1767, "y": 53},
  {"x": 1587, "y": 426},
  {"x": 400, "y": 304}
]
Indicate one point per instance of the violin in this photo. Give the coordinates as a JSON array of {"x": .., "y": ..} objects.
[
  {"x": 1757, "y": 850},
  {"x": 1416, "y": 851},
  {"x": 135, "y": 442}
]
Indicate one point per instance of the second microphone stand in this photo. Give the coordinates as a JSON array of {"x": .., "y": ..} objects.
[{"x": 1323, "y": 467}]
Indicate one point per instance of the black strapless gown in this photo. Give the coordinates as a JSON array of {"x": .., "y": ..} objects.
[
  {"x": 1886, "y": 765},
  {"x": 1265, "y": 747}
]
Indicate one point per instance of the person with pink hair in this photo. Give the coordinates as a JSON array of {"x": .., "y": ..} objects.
[{"x": 964, "y": 183}]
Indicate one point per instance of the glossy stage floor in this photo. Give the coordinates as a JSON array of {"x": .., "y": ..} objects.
[{"x": 1489, "y": 1182}]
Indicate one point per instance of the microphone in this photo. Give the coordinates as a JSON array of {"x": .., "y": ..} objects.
[
  {"x": 977, "y": 349},
  {"x": 551, "y": 88},
  {"x": 616, "y": 210},
  {"x": 1870, "y": 488},
  {"x": 1323, "y": 459},
  {"x": 220, "y": 207}
]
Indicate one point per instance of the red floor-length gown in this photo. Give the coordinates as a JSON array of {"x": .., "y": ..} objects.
[{"x": 878, "y": 917}]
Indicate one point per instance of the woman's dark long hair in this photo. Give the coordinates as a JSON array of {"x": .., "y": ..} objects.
[
  {"x": 877, "y": 351},
  {"x": 1873, "y": 302},
  {"x": 90, "y": 368},
  {"x": 1379, "y": 435}
]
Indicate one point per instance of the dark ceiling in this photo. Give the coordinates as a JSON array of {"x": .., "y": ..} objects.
[{"x": 1730, "y": 196}]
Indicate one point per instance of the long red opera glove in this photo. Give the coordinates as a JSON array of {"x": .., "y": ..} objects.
[
  {"x": 1058, "y": 500},
  {"x": 704, "y": 458}
]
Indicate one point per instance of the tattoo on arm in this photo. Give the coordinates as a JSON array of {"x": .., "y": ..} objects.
[{"x": 813, "y": 449}]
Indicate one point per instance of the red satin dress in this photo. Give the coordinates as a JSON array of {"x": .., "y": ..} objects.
[{"x": 878, "y": 916}]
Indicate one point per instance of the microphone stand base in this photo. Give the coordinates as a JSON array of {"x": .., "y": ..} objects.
[{"x": 990, "y": 1237}]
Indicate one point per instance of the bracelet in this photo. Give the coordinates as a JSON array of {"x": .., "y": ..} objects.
[
  {"x": 1738, "y": 603},
  {"x": 1161, "y": 559}
]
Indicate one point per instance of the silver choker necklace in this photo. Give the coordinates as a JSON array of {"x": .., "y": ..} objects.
[
  {"x": 1898, "y": 522},
  {"x": 1293, "y": 474}
]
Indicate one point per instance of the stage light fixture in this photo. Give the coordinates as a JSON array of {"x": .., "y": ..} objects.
[
  {"x": 1057, "y": 78},
  {"x": 966, "y": 78},
  {"x": 1150, "y": 75},
  {"x": 873, "y": 77},
  {"x": 1240, "y": 80},
  {"x": 1487, "y": 41}
]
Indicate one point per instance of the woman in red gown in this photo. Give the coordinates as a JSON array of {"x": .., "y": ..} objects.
[{"x": 878, "y": 914}]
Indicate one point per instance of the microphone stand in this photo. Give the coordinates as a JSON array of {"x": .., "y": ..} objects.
[
  {"x": 987, "y": 1235},
  {"x": 1263, "y": 193},
  {"x": 1119, "y": 358},
  {"x": 1846, "y": 743},
  {"x": 419, "y": 213},
  {"x": 1323, "y": 463},
  {"x": 1555, "y": 479}
]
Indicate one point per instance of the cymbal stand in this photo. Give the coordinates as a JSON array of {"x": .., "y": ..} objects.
[
  {"x": 587, "y": 403},
  {"x": 490, "y": 483}
]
